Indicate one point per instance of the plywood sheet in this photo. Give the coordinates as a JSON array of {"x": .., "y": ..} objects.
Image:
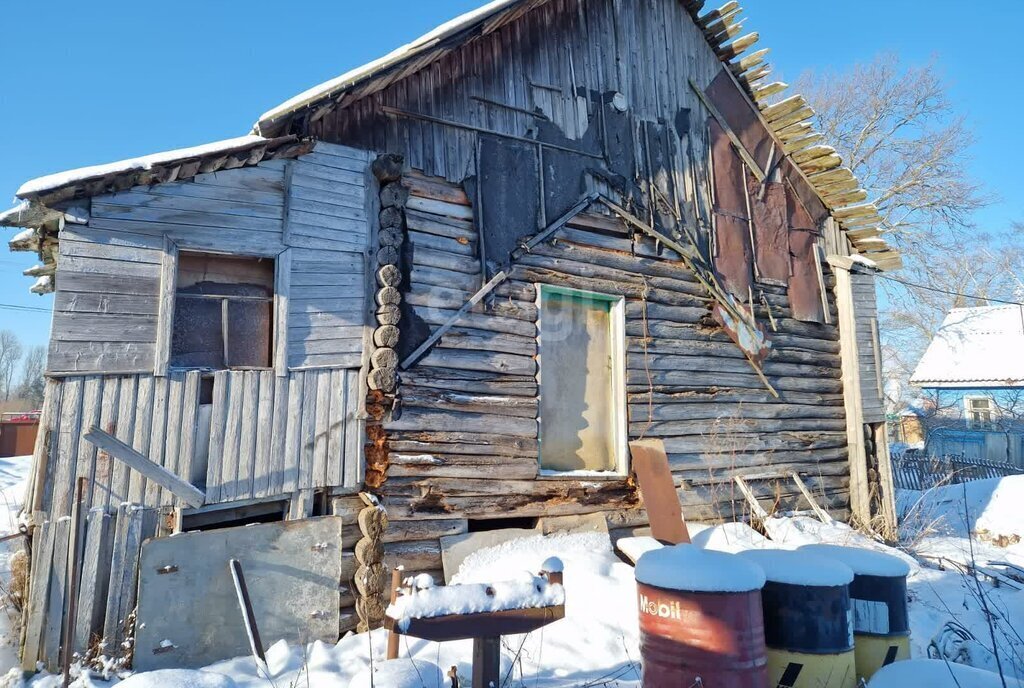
[{"x": 188, "y": 613}]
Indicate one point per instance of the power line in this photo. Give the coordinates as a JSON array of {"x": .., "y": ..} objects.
[
  {"x": 16, "y": 307},
  {"x": 948, "y": 292}
]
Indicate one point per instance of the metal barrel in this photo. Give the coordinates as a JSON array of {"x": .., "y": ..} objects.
[
  {"x": 807, "y": 620},
  {"x": 881, "y": 620},
  {"x": 694, "y": 632}
]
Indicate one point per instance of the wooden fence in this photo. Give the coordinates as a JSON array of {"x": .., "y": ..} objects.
[{"x": 925, "y": 472}]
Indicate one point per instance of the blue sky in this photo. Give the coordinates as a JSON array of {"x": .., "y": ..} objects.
[{"x": 81, "y": 85}]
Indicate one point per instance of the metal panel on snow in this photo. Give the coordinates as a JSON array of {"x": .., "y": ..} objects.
[{"x": 188, "y": 613}]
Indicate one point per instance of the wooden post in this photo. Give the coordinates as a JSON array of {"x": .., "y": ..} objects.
[
  {"x": 486, "y": 661},
  {"x": 75, "y": 541},
  {"x": 860, "y": 503},
  {"x": 396, "y": 582}
]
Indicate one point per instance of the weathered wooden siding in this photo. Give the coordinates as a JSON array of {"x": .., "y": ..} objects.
[
  {"x": 271, "y": 435},
  {"x": 268, "y": 435},
  {"x": 868, "y": 354},
  {"x": 465, "y": 446},
  {"x": 555, "y": 59},
  {"x": 106, "y": 310}
]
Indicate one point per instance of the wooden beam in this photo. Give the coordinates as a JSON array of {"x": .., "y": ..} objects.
[
  {"x": 185, "y": 491},
  {"x": 860, "y": 502},
  {"x": 815, "y": 507},
  {"x": 743, "y": 153}
]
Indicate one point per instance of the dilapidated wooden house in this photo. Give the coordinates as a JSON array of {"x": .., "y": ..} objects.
[{"x": 459, "y": 279}]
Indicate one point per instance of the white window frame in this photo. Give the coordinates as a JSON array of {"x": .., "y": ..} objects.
[
  {"x": 969, "y": 411},
  {"x": 168, "y": 294},
  {"x": 617, "y": 323}
]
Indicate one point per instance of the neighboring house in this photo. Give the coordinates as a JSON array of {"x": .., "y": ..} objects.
[
  {"x": 972, "y": 382},
  {"x": 459, "y": 278}
]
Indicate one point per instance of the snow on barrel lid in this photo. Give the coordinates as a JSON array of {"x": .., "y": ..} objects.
[
  {"x": 864, "y": 562},
  {"x": 692, "y": 569},
  {"x": 799, "y": 568}
]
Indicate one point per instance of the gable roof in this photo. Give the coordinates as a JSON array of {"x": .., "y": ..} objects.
[
  {"x": 788, "y": 121},
  {"x": 975, "y": 347}
]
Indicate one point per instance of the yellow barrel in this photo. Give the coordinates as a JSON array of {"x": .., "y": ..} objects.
[
  {"x": 881, "y": 622},
  {"x": 807, "y": 619}
]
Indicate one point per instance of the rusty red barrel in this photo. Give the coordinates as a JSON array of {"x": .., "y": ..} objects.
[{"x": 700, "y": 619}]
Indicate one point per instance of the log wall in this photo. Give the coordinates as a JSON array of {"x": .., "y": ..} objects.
[{"x": 465, "y": 445}]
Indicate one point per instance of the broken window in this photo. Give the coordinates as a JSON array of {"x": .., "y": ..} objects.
[
  {"x": 582, "y": 386},
  {"x": 223, "y": 312}
]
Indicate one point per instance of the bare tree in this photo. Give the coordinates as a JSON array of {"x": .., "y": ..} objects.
[
  {"x": 898, "y": 131},
  {"x": 32, "y": 383},
  {"x": 10, "y": 356}
]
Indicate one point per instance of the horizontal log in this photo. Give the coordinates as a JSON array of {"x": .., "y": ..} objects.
[
  {"x": 640, "y": 410},
  {"x": 414, "y": 557},
  {"x": 649, "y": 361},
  {"x": 835, "y": 470},
  {"x": 557, "y": 261},
  {"x": 559, "y": 500},
  {"x": 746, "y": 397},
  {"x": 739, "y": 443},
  {"x": 486, "y": 361},
  {"x": 727, "y": 349},
  {"x": 675, "y": 331},
  {"x": 522, "y": 407},
  {"x": 478, "y": 321},
  {"x": 420, "y": 255},
  {"x": 455, "y": 381},
  {"x": 639, "y": 380},
  {"x": 424, "y": 275},
  {"x": 407, "y": 531},
  {"x": 435, "y": 188},
  {"x": 471, "y": 445},
  {"x": 634, "y": 289},
  {"x": 499, "y": 468},
  {"x": 478, "y": 340},
  {"x": 451, "y": 421},
  {"x": 809, "y": 459},
  {"x": 727, "y": 426}
]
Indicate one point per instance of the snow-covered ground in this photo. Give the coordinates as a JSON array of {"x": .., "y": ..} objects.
[
  {"x": 13, "y": 481},
  {"x": 948, "y": 532}
]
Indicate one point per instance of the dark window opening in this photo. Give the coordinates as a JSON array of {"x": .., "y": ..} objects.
[
  {"x": 485, "y": 524},
  {"x": 231, "y": 517},
  {"x": 223, "y": 312}
]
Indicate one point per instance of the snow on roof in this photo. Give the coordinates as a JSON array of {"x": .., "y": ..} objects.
[
  {"x": 799, "y": 568},
  {"x": 692, "y": 569},
  {"x": 354, "y": 76},
  {"x": 864, "y": 562},
  {"x": 40, "y": 185},
  {"x": 980, "y": 346}
]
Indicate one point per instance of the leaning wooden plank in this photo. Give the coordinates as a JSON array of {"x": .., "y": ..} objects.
[
  {"x": 184, "y": 491},
  {"x": 39, "y": 594},
  {"x": 58, "y": 587},
  {"x": 95, "y": 578},
  {"x": 659, "y": 492},
  {"x": 112, "y": 623},
  {"x": 755, "y": 507},
  {"x": 818, "y": 511},
  {"x": 139, "y": 523}
]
